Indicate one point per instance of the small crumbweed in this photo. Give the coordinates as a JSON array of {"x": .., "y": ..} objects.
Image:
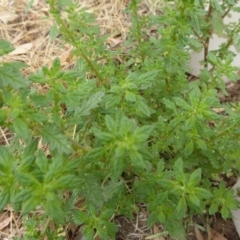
[{"x": 114, "y": 134}]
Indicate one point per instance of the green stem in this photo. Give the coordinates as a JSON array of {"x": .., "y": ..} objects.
[
  {"x": 70, "y": 35},
  {"x": 209, "y": 33}
]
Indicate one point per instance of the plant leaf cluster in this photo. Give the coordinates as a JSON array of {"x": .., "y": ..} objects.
[{"x": 117, "y": 135}]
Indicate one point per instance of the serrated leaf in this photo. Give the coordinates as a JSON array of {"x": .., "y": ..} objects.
[
  {"x": 108, "y": 230},
  {"x": 91, "y": 190},
  {"x": 130, "y": 97},
  {"x": 103, "y": 136},
  {"x": 54, "y": 208},
  {"x": 56, "y": 166},
  {"x": 31, "y": 148},
  {"x": 112, "y": 100},
  {"x": 194, "y": 96},
  {"x": 41, "y": 161},
  {"x": 195, "y": 44},
  {"x": 181, "y": 207},
  {"x": 217, "y": 23},
  {"x": 169, "y": 104},
  {"x": 56, "y": 140},
  {"x": 95, "y": 153},
  {"x": 21, "y": 129},
  {"x": 201, "y": 144},
  {"x": 22, "y": 196},
  {"x": 80, "y": 217},
  {"x": 225, "y": 213},
  {"x": 145, "y": 80},
  {"x": 10, "y": 75},
  {"x": 111, "y": 124},
  {"x": 87, "y": 106},
  {"x": 143, "y": 108},
  {"x": 202, "y": 193},
  {"x": 212, "y": 58},
  {"x": 182, "y": 103},
  {"x": 27, "y": 179},
  {"x": 5, "y": 47},
  {"x": 4, "y": 197},
  {"x": 141, "y": 134},
  {"x": 213, "y": 208},
  {"x": 112, "y": 188},
  {"x": 136, "y": 159},
  {"x": 120, "y": 152},
  {"x": 178, "y": 165},
  {"x": 116, "y": 167},
  {"x": 194, "y": 199},
  {"x": 4, "y": 155},
  {"x": 30, "y": 204},
  {"x": 88, "y": 232},
  {"x": 66, "y": 182},
  {"x": 189, "y": 149},
  {"x": 175, "y": 228},
  {"x": 236, "y": 41},
  {"x": 27, "y": 163},
  {"x": 195, "y": 178}
]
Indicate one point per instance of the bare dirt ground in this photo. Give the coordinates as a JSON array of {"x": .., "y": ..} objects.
[{"x": 29, "y": 32}]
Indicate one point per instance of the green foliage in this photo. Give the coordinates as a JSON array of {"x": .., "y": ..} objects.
[{"x": 115, "y": 135}]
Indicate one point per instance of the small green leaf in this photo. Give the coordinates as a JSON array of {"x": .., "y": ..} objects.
[
  {"x": 80, "y": 217},
  {"x": 201, "y": 144},
  {"x": 31, "y": 148},
  {"x": 136, "y": 159},
  {"x": 41, "y": 161},
  {"x": 130, "y": 97},
  {"x": 23, "y": 195},
  {"x": 56, "y": 140},
  {"x": 141, "y": 134},
  {"x": 111, "y": 124},
  {"x": 189, "y": 149},
  {"x": 4, "y": 197},
  {"x": 56, "y": 167},
  {"x": 195, "y": 177},
  {"x": 95, "y": 153},
  {"x": 169, "y": 104},
  {"x": 5, "y": 47},
  {"x": 194, "y": 199},
  {"x": 27, "y": 179},
  {"x": 88, "y": 232},
  {"x": 4, "y": 155},
  {"x": 195, "y": 45},
  {"x": 225, "y": 213},
  {"x": 182, "y": 103},
  {"x": 236, "y": 41},
  {"x": 202, "y": 193},
  {"x": 66, "y": 182},
  {"x": 87, "y": 106},
  {"x": 54, "y": 208},
  {"x": 106, "y": 137},
  {"x": 217, "y": 23},
  {"x": 21, "y": 129},
  {"x": 116, "y": 167},
  {"x": 212, "y": 58},
  {"x": 10, "y": 75},
  {"x": 213, "y": 208},
  {"x": 143, "y": 108},
  {"x": 181, "y": 207},
  {"x": 30, "y": 204},
  {"x": 27, "y": 163}
]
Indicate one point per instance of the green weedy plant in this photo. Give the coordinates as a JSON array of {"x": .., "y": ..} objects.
[{"x": 121, "y": 134}]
